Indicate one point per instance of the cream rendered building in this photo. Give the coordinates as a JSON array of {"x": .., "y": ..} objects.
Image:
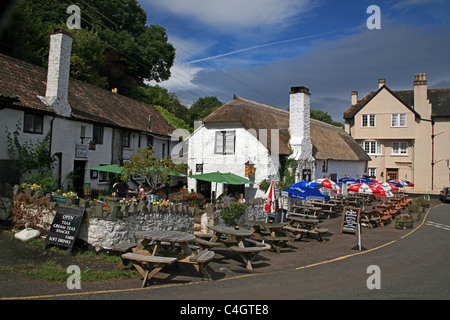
[{"x": 406, "y": 133}]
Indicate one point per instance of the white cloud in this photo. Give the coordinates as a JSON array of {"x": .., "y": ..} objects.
[{"x": 230, "y": 15}]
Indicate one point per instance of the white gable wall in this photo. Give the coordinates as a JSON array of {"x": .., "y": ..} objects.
[{"x": 247, "y": 148}]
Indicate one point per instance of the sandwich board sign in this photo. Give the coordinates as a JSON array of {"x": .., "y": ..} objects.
[
  {"x": 350, "y": 220},
  {"x": 64, "y": 229}
]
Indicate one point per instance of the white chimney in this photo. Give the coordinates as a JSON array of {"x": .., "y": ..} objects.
[
  {"x": 299, "y": 123},
  {"x": 354, "y": 97},
  {"x": 381, "y": 82},
  {"x": 58, "y": 72}
]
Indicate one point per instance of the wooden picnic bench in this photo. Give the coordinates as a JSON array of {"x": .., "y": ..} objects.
[
  {"x": 273, "y": 233},
  {"x": 304, "y": 226},
  {"x": 200, "y": 261},
  {"x": 248, "y": 254},
  {"x": 146, "y": 265}
]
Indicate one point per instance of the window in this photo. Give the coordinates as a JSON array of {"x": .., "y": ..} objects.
[
  {"x": 371, "y": 147},
  {"x": 368, "y": 121},
  {"x": 325, "y": 165},
  {"x": 103, "y": 176},
  {"x": 372, "y": 172},
  {"x": 225, "y": 142},
  {"x": 33, "y": 123},
  {"x": 126, "y": 139},
  {"x": 398, "y": 120},
  {"x": 98, "y": 134},
  {"x": 399, "y": 148}
]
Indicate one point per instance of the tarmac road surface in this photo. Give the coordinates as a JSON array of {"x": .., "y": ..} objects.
[{"x": 413, "y": 264}]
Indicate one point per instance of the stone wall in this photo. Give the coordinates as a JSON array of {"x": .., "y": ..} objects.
[{"x": 106, "y": 226}]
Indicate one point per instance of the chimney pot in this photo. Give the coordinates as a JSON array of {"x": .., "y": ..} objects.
[
  {"x": 299, "y": 89},
  {"x": 354, "y": 97},
  {"x": 381, "y": 82}
]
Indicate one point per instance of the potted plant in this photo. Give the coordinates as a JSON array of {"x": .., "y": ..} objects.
[{"x": 404, "y": 221}]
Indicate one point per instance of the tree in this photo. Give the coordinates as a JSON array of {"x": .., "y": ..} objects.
[
  {"x": 113, "y": 31},
  {"x": 156, "y": 171},
  {"x": 324, "y": 117},
  {"x": 202, "y": 108}
]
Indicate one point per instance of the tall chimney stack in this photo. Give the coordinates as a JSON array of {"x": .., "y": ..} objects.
[
  {"x": 299, "y": 123},
  {"x": 354, "y": 97},
  {"x": 58, "y": 72},
  {"x": 381, "y": 82}
]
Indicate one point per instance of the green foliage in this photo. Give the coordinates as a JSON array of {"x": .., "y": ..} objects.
[
  {"x": 27, "y": 157},
  {"x": 193, "y": 199},
  {"x": 233, "y": 212},
  {"x": 288, "y": 166},
  {"x": 155, "y": 170},
  {"x": 202, "y": 108},
  {"x": 264, "y": 185},
  {"x": 324, "y": 117},
  {"x": 115, "y": 47},
  {"x": 46, "y": 180}
]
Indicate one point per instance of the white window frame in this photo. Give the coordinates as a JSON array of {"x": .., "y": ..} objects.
[
  {"x": 225, "y": 142},
  {"x": 372, "y": 172},
  {"x": 397, "y": 119},
  {"x": 371, "y": 147},
  {"x": 368, "y": 121},
  {"x": 399, "y": 148}
]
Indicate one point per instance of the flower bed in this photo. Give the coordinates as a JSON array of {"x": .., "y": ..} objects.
[{"x": 404, "y": 221}]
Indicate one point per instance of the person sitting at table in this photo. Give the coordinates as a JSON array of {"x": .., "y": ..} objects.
[
  {"x": 241, "y": 199},
  {"x": 121, "y": 188}
]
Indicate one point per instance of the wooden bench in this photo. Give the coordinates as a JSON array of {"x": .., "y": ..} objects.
[
  {"x": 385, "y": 219},
  {"x": 277, "y": 242},
  {"x": 146, "y": 265},
  {"x": 201, "y": 260},
  {"x": 319, "y": 232},
  {"x": 297, "y": 232},
  {"x": 206, "y": 244},
  {"x": 124, "y": 247},
  {"x": 248, "y": 254}
]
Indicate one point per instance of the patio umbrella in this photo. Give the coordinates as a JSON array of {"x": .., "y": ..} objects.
[
  {"x": 365, "y": 180},
  {"x": 304, "y": 193},
  {"x": 406, "y": 183},
  {"x": 113, "y": 168},
  {"x": 219, "y": 177},
  {"x": 271, "y": 202},
  {"x": 347, "y": 180},
  {"x": 306, "y": 184},
  {"x": 327, "y": 183},
  {"x": 396, "y": 183},
  {"x": 364, "y": 188}
]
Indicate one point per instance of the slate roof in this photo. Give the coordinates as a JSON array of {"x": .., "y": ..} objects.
[
  {"x": 329, "y": 142},
  {"x": 23, "y": 85},
  {"x": 439, "y": 99}
]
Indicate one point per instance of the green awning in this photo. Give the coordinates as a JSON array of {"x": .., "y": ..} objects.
[
  {"x": 228, "y": 178},
  {"x": 113, "y": 168}
]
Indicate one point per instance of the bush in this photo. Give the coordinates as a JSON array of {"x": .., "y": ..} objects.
[
  {"x": 233, "y": 212},
  {"x": 191, "y": 198}
]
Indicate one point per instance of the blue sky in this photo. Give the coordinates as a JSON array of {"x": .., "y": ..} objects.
[{"x": 258, "y": 49}]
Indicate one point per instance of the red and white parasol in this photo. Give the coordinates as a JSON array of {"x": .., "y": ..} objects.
[
  {"x": 365, "y": 188},
  {"x": 329, "y": 184},
  {"x": 271, "y": 202}
]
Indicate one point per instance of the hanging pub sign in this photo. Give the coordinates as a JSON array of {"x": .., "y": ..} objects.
[
  {"x": 350, "y": 220},
  {"x": 64, "y": 229}
]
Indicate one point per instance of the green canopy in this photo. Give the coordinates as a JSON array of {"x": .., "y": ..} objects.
[
  {"x": 113, "y": 168},
  {"x": 228, "y": 178}
]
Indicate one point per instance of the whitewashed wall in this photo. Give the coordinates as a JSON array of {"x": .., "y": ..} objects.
[{"x": 248, "y": 148}]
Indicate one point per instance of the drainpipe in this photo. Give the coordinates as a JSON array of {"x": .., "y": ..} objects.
[{"x": 432, "y": 154}]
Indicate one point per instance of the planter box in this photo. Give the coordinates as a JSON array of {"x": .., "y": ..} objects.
[
  {"x": 405, "y": 225},
  {"x": 59, "y": 199}
]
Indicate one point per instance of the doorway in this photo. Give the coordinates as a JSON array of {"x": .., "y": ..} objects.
[
  {"x": 204, "y": 188},
  {"x": 78, "y": 177},
  {"x": 391, "y": 174}
]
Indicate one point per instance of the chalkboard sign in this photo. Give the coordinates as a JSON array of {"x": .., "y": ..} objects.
[
  {"x": 64, "y": 228},
  {"x": 350, "y": 220}
]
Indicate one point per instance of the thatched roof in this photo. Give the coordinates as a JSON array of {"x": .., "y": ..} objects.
[{"x": 329, "y": 142}]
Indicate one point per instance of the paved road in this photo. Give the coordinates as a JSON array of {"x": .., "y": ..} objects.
[{"x": 413, "y": 267}]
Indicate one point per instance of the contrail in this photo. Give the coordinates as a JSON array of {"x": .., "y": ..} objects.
[{"x": 264, "y": 45}]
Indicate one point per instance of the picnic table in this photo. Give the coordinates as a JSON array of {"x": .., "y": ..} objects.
[
  {"x": 310, "y": 211},
  {"x": 246, "y": 248},
  {"x": 327, "y": 208},
  {"x": 168, "y": 247},
  {"x": 273, "y": 233},
  {"x": 299, "y": 226}
]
